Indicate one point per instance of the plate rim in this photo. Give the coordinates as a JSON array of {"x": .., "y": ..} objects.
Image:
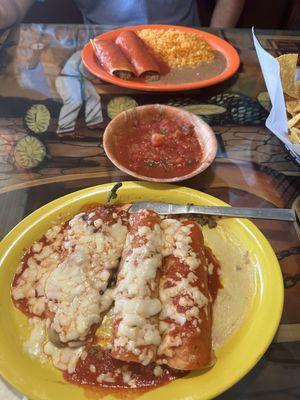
[
  {"x": 61, "y": 202},
  {"x": 228, "y": 51}
]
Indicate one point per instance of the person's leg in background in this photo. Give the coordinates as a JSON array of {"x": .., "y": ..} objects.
[
  {"x": 70, "y": 90},
  {"x": 93, "y": 110}
]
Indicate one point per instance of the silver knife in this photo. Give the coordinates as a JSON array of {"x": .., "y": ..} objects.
[{"x": 283, "y": 214}]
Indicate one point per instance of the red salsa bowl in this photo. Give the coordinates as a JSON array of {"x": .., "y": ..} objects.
[{"x": 159, "y": 143}]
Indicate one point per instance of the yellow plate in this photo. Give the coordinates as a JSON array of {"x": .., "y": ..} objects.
[{"x": 44, "y": 382}]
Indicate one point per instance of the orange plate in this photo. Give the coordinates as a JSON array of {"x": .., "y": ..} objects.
[{"x": 231, "y": 55}]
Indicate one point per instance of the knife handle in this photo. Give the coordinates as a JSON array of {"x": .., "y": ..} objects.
[{"x": 281, "y": 214}]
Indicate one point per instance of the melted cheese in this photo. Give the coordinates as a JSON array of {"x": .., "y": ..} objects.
[
  {"x": 183, "y": 287},
  {"x": 43, "y": 260},
  {"x": 64, "y": 358},
  {"x": 157, "y": 370},
  {"x": 180, "y": 292},
  {"x": 134, "y": 302},
  {"x": 34, "y": 345},
  {"x": 74, "y": 289},
  {"x": 37, "y": 346},
  {"x": 135, "y": 307},
  {"x": 106, "y": 378},
  {"x": 210, "y": 268},
  {"x": 177, "y": 242},
  {"x": 126, "y": 376},
  {"x": 92, "y": 368},
  {"x": 168, "y": 345}
]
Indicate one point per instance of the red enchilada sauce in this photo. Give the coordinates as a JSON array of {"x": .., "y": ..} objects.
[
  {"x": 214, "y": 271},
  {"x": 98, "y": 368},
  {"x": 22, "y": 304},
  {"x": 161, "y": 148}
]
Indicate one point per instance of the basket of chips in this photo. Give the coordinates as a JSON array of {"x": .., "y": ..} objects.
[
  {"x": 291, "y": 91},
  {"x": 282, "y": 78}
]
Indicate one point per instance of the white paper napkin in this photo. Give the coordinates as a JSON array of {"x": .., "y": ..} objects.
[{"x": 277, "y": 119}]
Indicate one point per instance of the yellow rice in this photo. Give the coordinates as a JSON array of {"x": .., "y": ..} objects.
[{"x": 178, "y": 49}]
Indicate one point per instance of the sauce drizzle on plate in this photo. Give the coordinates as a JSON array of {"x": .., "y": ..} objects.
[{"x": 98, "y": 368}]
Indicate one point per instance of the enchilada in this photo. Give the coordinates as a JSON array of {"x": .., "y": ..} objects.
[
  {"x": 138, "y": 54},
  {"x": 135, "y": 330},
  {"x": 112, "y": 59},
  {"x": 76, "y": 289},
  {"x": 185, "y": 318}
]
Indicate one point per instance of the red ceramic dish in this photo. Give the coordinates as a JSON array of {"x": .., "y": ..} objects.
[
  {"x": 228, "y": 51},
  {"x": 159, "y": 143}
]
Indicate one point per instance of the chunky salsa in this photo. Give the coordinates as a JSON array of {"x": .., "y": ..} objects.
[{"x": 161, "y": 148}]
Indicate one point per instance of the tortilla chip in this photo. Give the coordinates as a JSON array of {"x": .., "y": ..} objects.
[
  {"x": 293, "y": 107},
  {"x": 294, "y": 122},
  {"x": 295, "y": 135},
  {"x": 288, "y": 65}
]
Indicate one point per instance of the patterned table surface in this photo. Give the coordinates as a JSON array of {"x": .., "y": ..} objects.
[{"x": 40, "y": 63}]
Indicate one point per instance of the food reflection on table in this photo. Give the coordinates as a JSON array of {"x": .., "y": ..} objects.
[{"x": 123, "y": 300}]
